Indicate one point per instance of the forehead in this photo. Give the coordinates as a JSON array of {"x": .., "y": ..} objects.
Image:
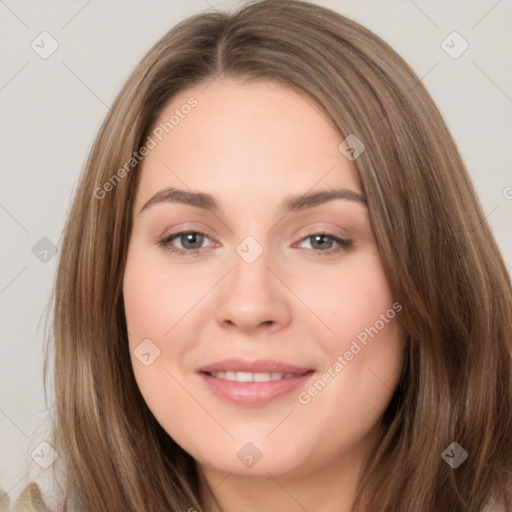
[{"x": 237, "y": 139}]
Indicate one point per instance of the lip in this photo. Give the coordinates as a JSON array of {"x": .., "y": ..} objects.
[
  {"x": 253, "y": 393},
  {"x": 257, "y": 366}
]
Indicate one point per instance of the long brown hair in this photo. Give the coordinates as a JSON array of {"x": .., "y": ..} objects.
[{"x": 441, "y": 261}]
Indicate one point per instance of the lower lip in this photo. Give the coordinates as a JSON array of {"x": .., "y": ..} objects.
[{"x": 253, "y": 393}]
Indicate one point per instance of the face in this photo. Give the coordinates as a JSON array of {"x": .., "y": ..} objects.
[{"x": 262, "y": 331}]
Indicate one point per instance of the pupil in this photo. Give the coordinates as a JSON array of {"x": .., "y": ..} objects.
[
  {"x": 193, "y": 239},
  {"x": 317, "y": 238}
]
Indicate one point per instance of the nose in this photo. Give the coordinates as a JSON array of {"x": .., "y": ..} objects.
[{"x": 252, "y": 297}]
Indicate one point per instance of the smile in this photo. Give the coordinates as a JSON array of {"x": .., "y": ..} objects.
[
  {"x": 253, "y": 383},
  {"x": 252, "y": 377}
]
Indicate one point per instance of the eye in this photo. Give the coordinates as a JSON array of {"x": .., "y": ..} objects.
[
  {"x": 325, "y": 243},
  {"x": 191, "y": 242}
]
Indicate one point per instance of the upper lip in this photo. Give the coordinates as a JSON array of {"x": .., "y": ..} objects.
[{"x": 258, "y": 366}]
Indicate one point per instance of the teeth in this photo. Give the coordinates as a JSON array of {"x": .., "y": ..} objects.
[{"x": 252, "y": 377}]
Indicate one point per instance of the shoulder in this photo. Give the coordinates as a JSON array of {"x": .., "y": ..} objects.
[{"x": 30, "y": 500}]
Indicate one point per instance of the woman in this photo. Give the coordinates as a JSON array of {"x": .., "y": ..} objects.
[{"x": 337, "y": 337}]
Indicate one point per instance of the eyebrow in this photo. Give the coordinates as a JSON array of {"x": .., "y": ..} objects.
[{"x": 292, "y": 203}]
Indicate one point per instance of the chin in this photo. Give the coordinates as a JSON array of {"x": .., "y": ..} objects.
[
  {"x": 256, "y": 456},
  {"x": 269, "y": 463}
]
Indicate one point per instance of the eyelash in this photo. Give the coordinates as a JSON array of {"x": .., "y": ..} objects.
[{"x": 166, "y": 243}]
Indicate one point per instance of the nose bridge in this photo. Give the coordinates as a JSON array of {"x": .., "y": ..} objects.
[
  {"x": 250, "y": 276},
  {"x": 252, "y": 295}
]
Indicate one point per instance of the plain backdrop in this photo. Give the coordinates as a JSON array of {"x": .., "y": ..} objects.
[{"x": 51, "y": 109}]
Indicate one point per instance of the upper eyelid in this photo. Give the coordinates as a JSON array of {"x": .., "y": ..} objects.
[
  {"x": 199, "y": 231},
  {"x": 329, "y": 231}
]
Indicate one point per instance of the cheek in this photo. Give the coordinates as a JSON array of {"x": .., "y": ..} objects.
[
  {"x": 155, "y": 298},
  {"x": 149, "y": 297},
  {"x": 365, "y": 346},
  {"x": 350, "y": 299},
  {"x": 146, "y": 303},
  {"x": 163, "y": 304}
]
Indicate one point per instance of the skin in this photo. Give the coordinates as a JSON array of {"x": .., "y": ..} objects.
[{"x": 250, "y": 145}]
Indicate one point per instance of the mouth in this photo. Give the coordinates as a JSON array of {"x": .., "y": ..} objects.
[
  {"x": 252, "y": 377},
  {"x": 253, "y": 383}
]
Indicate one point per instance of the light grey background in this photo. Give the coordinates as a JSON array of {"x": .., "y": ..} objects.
[{"x": 51, "y": 109}]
